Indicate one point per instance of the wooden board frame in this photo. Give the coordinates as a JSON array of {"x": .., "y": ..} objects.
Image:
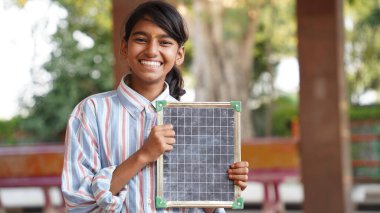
[{"x": 238, "y": 202}]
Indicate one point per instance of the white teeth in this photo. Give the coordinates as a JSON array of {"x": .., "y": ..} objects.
[{"x": 151, "y": 63}]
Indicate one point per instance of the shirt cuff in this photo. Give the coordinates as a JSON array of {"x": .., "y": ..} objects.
[
  {"x": 217, "y": 210},
  {"x": 101, "y": 185}
]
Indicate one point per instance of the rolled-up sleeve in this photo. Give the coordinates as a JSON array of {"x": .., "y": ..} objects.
[
  {"x": 85, "y": 185},
  {"x": 103, "y": 196}
]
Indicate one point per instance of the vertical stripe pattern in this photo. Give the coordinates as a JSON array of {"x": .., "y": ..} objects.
[{"x": 102, "y": 131}]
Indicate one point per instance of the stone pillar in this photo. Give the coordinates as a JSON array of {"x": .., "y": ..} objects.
[{"x": 325, "y": 146}]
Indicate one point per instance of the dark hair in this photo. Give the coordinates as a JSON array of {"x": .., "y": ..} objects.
[{"x": 167, "y": 18}]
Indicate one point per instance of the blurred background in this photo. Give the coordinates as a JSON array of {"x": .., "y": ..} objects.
[{"x": 54, "y": 53}]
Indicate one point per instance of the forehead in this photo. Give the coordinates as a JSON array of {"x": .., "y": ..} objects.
[{"x": 147, "y": 26}]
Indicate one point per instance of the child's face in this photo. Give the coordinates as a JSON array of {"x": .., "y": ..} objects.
[{"x": 151, "y": 53}]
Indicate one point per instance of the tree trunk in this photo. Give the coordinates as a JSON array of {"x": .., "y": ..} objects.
[
  {"x": 271, "y": 71},
  {"x": 223, "y": 68}
]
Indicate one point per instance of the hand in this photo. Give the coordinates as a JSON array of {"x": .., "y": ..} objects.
[
  {"x": 160, "y": 140},
  {"x": 238, "y": 172}
]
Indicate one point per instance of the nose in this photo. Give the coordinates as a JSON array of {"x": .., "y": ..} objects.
[{"x": 152, "y": 49}]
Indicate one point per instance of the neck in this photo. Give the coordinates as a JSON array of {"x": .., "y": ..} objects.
[{"x": 149, "y": 91}]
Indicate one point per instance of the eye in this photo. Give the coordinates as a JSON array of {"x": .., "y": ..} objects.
[
  {"x": 140, "y": 40},
  {"x": 166, "y": 43}
]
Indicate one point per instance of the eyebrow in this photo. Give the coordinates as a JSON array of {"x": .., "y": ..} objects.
[{"x": 146, "y": 34}]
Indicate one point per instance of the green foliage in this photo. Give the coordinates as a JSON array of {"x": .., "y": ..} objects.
[
  {"x": 275, "y": 39},
  {"x": 8, "y": 128},
  {"x": 363, "y": 48},
  {"x": 275, "y": 36},
  {"x": 77, "y": 71},
  {"x": 285, "y": 110},
  {"x": 370, "y": 112},
  {"x": 232, "y": 16},
  {"x": 188, "y": 56}
]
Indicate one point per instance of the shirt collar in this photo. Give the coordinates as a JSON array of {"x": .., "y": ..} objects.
[{"x": 135, "y": 102}]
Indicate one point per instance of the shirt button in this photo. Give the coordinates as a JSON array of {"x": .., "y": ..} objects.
[{"x": 148, "y": 201}]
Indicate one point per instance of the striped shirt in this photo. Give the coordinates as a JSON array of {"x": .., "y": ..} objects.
[{"x": 103, "y": 131}]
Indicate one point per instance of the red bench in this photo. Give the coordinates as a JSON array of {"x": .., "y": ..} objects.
[
  {"x": 271, "y": 160},
  {"x": 31, "y": 166}
]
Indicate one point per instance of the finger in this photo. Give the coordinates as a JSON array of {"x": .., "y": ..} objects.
[
  {"x": 168, "y": 133},
  {"x": 243, "y": 185},
  {"x": 240, "y": 164},
  {"x": 169, "y": 148},
  {"x": 162, "y": 127},
  {"x": 239, "y": 171},
  {"x": 238, "y": 177},
  {"x": 170, "y": 141},
  {"x": 167, "y": 127}
]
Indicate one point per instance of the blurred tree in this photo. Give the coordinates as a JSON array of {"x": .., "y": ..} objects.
[
  {"x": 362, "y": 48},
  {"x": 275, "y": 39},
  {"x": 365, "y": 113},
  {"x": 8, "y": 130},
  {"x": 223, "y": 37},
  {"x": 223, "y": 52},
  {"x": 80, "y": 65},
  {"x": 284, "y": 110},
  {"x": 224, "y": 34}
]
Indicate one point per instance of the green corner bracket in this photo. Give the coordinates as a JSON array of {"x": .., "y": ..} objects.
[
  {"x": 160, "y": 203},
  {"x": 238, "y": 204},
  {"x": 160, "y": 105},
  {"x": 236, "y": 105}
]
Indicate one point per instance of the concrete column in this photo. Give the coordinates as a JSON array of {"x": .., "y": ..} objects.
[{"x": 325, "y": 147}]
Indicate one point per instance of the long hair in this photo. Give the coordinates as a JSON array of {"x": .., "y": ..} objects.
[{"x": 167, "y": 18}]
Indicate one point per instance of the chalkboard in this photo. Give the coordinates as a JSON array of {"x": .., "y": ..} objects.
[{"x": 207, "y": 137}]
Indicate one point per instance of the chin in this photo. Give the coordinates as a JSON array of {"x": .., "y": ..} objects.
[{"x": 152, "y": 79}]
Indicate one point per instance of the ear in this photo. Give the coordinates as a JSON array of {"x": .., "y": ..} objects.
[
  {"x": 123, "y": 48},
  {"x": 180, "y": 56}
]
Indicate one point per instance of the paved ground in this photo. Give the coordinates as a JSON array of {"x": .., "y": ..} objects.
[{"x": 291, "y": 192}]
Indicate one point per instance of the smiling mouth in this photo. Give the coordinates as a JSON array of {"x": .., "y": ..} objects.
[{"x": 151, "y": 63}]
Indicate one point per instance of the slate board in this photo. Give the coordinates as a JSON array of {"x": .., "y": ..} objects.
[{"x": 207, "y": 137}]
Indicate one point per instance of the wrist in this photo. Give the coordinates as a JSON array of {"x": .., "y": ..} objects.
[{"x": 142, "y": 157}]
